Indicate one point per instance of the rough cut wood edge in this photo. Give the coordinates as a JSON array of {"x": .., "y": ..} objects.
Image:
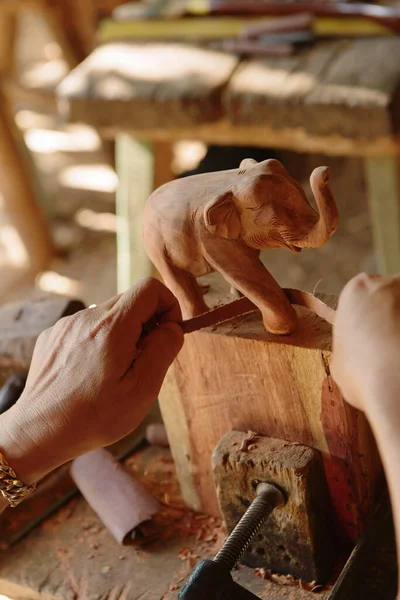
[{"x": 298, "y": 538}]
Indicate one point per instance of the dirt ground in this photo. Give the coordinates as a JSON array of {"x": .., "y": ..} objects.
[{"x": 79, "y": 183}]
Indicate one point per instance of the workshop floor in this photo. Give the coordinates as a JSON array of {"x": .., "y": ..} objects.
[{"x": 80, "y": 183}]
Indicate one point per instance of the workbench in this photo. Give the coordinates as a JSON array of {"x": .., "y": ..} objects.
[
  {"x": 338, "y": 98},
  {"x": 73, "y": 556}
]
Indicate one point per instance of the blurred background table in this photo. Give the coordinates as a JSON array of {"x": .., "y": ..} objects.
[{"x": 338, "y": 98}]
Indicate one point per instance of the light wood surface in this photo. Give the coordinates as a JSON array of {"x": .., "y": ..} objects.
[
  {"x": 323, "y": 90},
  {"x": 327, "y": 90},
  {"x": 147, "y": 86}
]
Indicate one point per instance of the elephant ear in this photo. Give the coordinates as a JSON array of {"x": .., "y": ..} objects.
[{"x": 221, "y": 217}]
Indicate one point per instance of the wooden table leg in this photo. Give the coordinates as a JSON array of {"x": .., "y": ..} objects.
[
  {"x": 141, "y": 167},
  {"x": 8, "y": 29},
  {"x": 383, "y": 184},
  {"x": 19, "y": 198}
]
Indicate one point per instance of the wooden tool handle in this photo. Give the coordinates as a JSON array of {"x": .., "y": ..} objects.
[{"x": 244, "y": 306}]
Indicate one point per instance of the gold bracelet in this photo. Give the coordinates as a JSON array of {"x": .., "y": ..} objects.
[{"x": 12, "y": 488}]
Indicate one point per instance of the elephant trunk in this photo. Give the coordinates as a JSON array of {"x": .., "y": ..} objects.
[{"x": 327, "y": 221}]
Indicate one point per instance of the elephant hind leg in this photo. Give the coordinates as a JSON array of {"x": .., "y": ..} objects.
[{"x": 185, "y": 288}]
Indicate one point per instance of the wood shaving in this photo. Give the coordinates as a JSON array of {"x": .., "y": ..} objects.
[
  {"x": 267, "y": 575},
  {"x": 284, "y": 579},
  {"x": 251, "y": 436},
  {"x": 190, "y": 558},
  {"x": 263, "y": 573}
]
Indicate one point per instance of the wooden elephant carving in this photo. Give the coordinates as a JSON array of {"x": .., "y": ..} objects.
[{"x": 221, "y": 221}]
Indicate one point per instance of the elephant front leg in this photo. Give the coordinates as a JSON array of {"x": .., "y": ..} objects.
[
  {"x": 242, "y": 268},
  {"x": 185, "y": 288}
]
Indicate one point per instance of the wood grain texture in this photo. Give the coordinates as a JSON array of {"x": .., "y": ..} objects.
[
  {"x": 147, "y": 85},
  {"x": 325, "y": 89},
  {"x": 221, "y": 221},
  {"x": 239, "y": 377},
  {"x": 296, "y": 539}
]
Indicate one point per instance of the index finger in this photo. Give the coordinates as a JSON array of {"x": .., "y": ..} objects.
[{"x": 148, "y": 299}]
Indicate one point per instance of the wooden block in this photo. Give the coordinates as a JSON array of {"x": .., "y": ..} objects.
[
  {"x": 239, "y": 377},
  {"x": 297, "y": 539},
  {"x": 326, "y": 90},
  {"x": 146, "y": 86},
  {"x": 22, "y": 323}
]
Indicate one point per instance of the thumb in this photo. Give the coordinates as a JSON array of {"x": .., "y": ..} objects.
[{"x": 157, "y": 352}]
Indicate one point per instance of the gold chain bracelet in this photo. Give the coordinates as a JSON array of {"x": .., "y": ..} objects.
[{"x": 12, "y": 488}]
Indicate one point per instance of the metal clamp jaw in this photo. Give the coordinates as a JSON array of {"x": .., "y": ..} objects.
[
  {"x": 213, "y": 581},
  {"x": 212, "y": 578}
]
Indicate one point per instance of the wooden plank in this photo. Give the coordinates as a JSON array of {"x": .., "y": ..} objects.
[
  {"x": 327, "y": 90},
  {"x": 382, "y": 175},
  {"x": 224, "y": 133},
  {"x": 210, "y": 28},
  {"x": 147, "y": 86},
  {"x": 238, "y": 377}
]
